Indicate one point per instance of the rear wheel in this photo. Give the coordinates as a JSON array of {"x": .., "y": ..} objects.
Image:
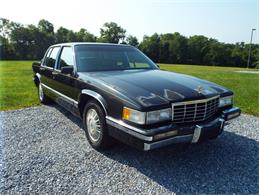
[
  {"x": 95, "y": 126},
  {"x": 42, "y": 97}
]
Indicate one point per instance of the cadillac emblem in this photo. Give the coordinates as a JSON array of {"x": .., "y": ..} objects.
[{"x": 200, "y": 89}]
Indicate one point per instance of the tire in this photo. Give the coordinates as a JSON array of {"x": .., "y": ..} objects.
[
  {"x": 42, "y": 97},
  {"x": 95, "y": 127}
]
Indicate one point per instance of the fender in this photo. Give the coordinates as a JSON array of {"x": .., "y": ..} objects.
[
  {"x": 38, "y": 76},
  {"x": 97, "y": 97},
  {"x": 35, "y": 77}
]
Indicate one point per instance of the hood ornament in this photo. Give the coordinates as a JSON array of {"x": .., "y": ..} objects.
[{"x": 199, "y": 89}]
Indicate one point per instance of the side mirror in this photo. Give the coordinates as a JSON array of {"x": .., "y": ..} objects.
[{"x": 67, "y": 70}]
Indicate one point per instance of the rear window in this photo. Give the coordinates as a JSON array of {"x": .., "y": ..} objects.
[{"x": 51, "y": 57}]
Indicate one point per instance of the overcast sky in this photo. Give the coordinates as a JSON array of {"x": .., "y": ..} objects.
[{"x": 226, "y": 20}]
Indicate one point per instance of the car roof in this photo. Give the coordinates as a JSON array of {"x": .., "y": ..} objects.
[{"x": 90, "y": 43}]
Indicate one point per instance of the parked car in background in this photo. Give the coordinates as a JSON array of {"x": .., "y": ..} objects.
[{"x": 119, "y": 93}]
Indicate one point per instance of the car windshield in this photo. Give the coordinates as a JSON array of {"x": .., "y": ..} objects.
[{"x": 91, "y": 58}]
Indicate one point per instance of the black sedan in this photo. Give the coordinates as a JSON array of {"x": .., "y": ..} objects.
[{"x": 121, "y": 94}]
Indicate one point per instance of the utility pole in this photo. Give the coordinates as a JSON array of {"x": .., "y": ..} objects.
[{"x": 249, "y": 52}]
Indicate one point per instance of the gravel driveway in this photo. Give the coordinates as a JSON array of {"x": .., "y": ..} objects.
[{"x": 44, "y": 150}]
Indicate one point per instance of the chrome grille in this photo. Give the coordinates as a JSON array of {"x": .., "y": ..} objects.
[{"x": 193, "y": 111}]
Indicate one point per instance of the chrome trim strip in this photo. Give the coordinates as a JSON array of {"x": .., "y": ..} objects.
[
  {"x": 47, "y": 67},
  {"x": 127, "y": 128},
  {"x": 38, "y": 75},
  {"x": 176, "y": 139},
  {"x": 222, "y": 123},
  {"x": 60, "y": 94},
  {"x": 235, "y": 111},
  {"x": 184, "y": 115},
  {"x": 195, "y": 112},
  {"x": 205, "y": 113},
  {"x": 195, "y": 101},
  {"x": 196, "y": 134},
  {"x": 120, "y": 122}
]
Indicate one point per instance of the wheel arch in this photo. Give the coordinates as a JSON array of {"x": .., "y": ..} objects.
[
  {"x": 87, "y": 95},
  {"x": 37, "y": 79}
]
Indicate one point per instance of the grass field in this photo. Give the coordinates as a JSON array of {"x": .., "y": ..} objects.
[{"x": 17, "y": 89}]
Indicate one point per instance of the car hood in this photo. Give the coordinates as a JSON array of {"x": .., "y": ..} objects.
[{"x": 157, "y": 87}]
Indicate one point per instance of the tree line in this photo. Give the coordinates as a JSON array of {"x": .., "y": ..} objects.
[{"x": 27, "y": 42}]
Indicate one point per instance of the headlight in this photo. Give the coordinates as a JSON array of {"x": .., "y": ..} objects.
[
  {"x": 146, "y": 117},
  {"x": 225, "y": 101},
  {"x": 134, "y": 116},
  {"x": 158, "y": 116}
]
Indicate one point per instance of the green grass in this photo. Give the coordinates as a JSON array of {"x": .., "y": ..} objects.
[{"x": 17, "y": 89}]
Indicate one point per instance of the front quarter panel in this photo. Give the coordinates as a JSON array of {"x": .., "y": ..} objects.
[{"x": 110, "y": 99}]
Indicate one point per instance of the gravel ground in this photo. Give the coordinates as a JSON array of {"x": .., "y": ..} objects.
[{"x": 44, "y": 150}]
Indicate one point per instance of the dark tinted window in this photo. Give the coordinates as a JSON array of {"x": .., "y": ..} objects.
[
  {"x": 50, "y": 60},
  {"x": 107, "y": 57},
  {"x": 66, "y": 58},
  {"x": 47, "y": 55}
]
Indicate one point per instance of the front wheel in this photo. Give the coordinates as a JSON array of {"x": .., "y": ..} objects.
[{"x": 95, "y": 126}]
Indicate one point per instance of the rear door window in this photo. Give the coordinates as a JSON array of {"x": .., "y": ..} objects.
[
  {"x": 51, "y": 59},
  {"x": 46, "y": 56}
]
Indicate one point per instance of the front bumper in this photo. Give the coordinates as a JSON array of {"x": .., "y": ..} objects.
[{"x": 162, "y": 136}]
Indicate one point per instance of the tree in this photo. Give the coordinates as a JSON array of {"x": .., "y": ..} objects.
[
  {"x": 197, "y": 49},
  {"x": 61, "y": 36},
  {"x": 254, "y": 56},
  {"x": 6, "y": 50},
  {"x": 84, "y": 36},
  {"x": 173, "y": 48},
  {"x": 132, "y": 40},
  {"x": 238, "y": 54},
  {"x": 29, "y": 42},
  {"x": 216, "y": 54},
  {"x": 21, "y": 39},
  {"x": 46, "y": 26},
  {"x": 6, "y": 27},
  {"x": 64, "y": 35},
  {"x": 44, "y": 36},
  {"x": 71, "y": 36},
  {"x": 111, "y": 33},
  {"x": 151, "y": 46}
]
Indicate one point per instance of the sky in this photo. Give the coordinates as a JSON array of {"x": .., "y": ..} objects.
[{"x": 228, "y": 21}]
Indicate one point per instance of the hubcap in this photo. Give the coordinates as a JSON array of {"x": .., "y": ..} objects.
[
  {"x": 93, "y": 125},
  {"x": 40, "y": 92}
]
